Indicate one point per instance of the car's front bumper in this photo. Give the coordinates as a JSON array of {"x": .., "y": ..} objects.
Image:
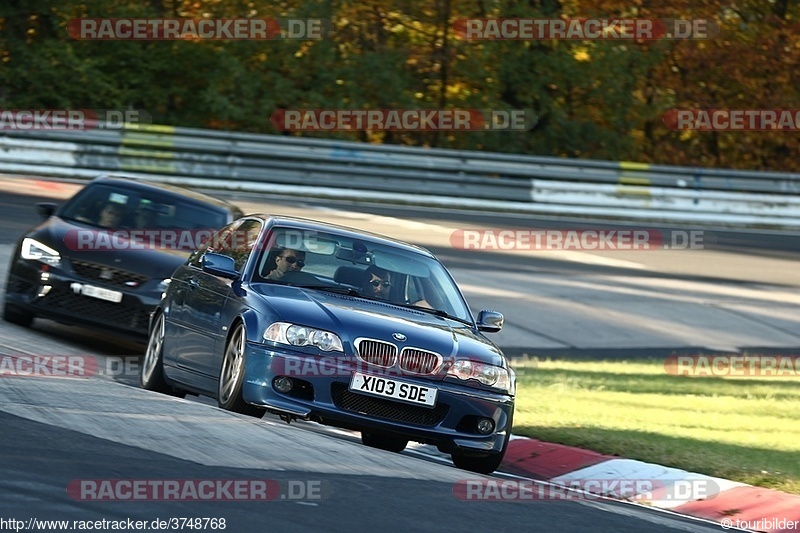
[
  {"x": 449, "y": 424},
  {"x": 57, "y": 295}
]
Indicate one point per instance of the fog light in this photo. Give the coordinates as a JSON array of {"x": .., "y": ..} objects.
[
  {"x": 485, "y": 426},
  {"x": 282, "y": 384}
]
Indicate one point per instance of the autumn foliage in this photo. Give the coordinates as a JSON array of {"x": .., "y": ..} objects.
[{"x": 599, "y": 99}]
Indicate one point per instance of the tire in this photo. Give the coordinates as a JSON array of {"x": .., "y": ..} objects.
[
  {"x": 383, "y": 441},
  {"x": 151, "y": 371},
  {"x": 231, "y": 377},
  {"x": 15, "y": 315},
  {"x": 487, "y": 463}
]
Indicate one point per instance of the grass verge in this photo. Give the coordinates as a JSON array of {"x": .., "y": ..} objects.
[{"x": 746, "y": 430}]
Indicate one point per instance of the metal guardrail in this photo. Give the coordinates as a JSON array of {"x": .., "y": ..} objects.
[{"x": 467, "y": 179}]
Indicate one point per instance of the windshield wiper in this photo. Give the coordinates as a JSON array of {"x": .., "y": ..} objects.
[
  {"x": 437, "y": 312},
  {"x": 333, "y": 288},
  {"x": 81, "y": 221}
]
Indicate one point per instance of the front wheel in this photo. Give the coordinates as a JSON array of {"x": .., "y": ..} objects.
[
  {"x": 151, "y": 372},
  {"x": 231, "y": 376}
]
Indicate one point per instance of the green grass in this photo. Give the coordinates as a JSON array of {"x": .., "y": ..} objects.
[{"x": 745, "y": 430}]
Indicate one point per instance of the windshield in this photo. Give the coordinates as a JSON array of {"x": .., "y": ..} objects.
[
  {"x": 359, "y": 267},
  {"x": 116, "y": 207}
]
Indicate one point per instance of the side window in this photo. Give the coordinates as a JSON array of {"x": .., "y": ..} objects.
[
  {"x": 238, "y": 243},
  {"x": 215, "y": 243}
]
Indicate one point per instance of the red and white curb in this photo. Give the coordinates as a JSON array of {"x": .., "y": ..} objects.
[{"x": 729, "y": 503}]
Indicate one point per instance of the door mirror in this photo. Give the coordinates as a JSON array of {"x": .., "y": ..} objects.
[
  {"x": 490, "y": 321},
  {"x": 46, "y": 209},
  {"x": 219, "y": 265}
]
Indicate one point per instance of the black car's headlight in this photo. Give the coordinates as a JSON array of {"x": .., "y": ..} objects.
[
  {"x": 294, "y": 335},
  {"x": 34, "y": 250},
  {"x": 490, "y": 375},
  {"x": 163, "y": 286}
]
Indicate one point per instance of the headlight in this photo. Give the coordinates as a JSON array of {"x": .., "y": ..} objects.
[
  {"x": 326, "y": 341},
  {"x": 163, "y": 286},
  {"x": 491, "y": 375},
  {"x": 462, "y": 369},
  {"x": 33, "y": 249},
  {"x": 295, "y": 335}
]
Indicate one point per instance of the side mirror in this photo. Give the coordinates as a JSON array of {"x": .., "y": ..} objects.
[
  {"x": 219, "y": 265},
  {"x": 46, "y": 209},
  {"x": 490, "y": 321}
]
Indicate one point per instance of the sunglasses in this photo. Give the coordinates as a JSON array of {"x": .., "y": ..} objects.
[
  {"x": 292, "y": 260},
  {"x": 378, "y": 283}
]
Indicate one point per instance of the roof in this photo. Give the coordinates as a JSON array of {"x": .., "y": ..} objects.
[
  {"x": 166, "y": 188},
  {"x": 310, "y": 224}
]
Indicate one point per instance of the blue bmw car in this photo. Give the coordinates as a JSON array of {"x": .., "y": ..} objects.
[{"x": 317, "y": 322}]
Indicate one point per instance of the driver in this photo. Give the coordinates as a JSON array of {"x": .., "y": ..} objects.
[
  {"x": 288, "y": 260},
  {"x": 111, "y": 215}
]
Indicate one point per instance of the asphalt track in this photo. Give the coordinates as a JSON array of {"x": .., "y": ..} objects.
[
  {"x": 740, "y": 293},
  {"x": 58, "y": 430},
  {"x": 63, "y": 431}
]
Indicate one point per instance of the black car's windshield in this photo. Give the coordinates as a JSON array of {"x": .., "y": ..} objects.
[
  {"x": 115, "y": 207},
  {"x": 360, "y": 267}
]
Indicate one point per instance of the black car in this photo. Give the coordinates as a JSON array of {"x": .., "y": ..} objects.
[{"x": 105, "y": 257}]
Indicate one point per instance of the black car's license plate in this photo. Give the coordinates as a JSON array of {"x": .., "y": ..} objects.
[{"x": 97, "y": 292}]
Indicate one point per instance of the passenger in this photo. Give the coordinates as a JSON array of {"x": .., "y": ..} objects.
[
  {"x": 288, "y": 260},
  {"x": 146, "y": 218},
  {"x": 377, "y": 283}
]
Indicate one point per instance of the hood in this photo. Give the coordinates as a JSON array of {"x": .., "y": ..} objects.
[
  {"x": 138, "y": 257},
  {"x": 351, "y": 317}
]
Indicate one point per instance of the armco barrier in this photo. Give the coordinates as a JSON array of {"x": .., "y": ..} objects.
[{"x": 467, "y": 179}]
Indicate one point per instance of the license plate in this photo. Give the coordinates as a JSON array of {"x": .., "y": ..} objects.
[
  {"x": 394, "y": 389},
  {"x": 101, "y": 293}
]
